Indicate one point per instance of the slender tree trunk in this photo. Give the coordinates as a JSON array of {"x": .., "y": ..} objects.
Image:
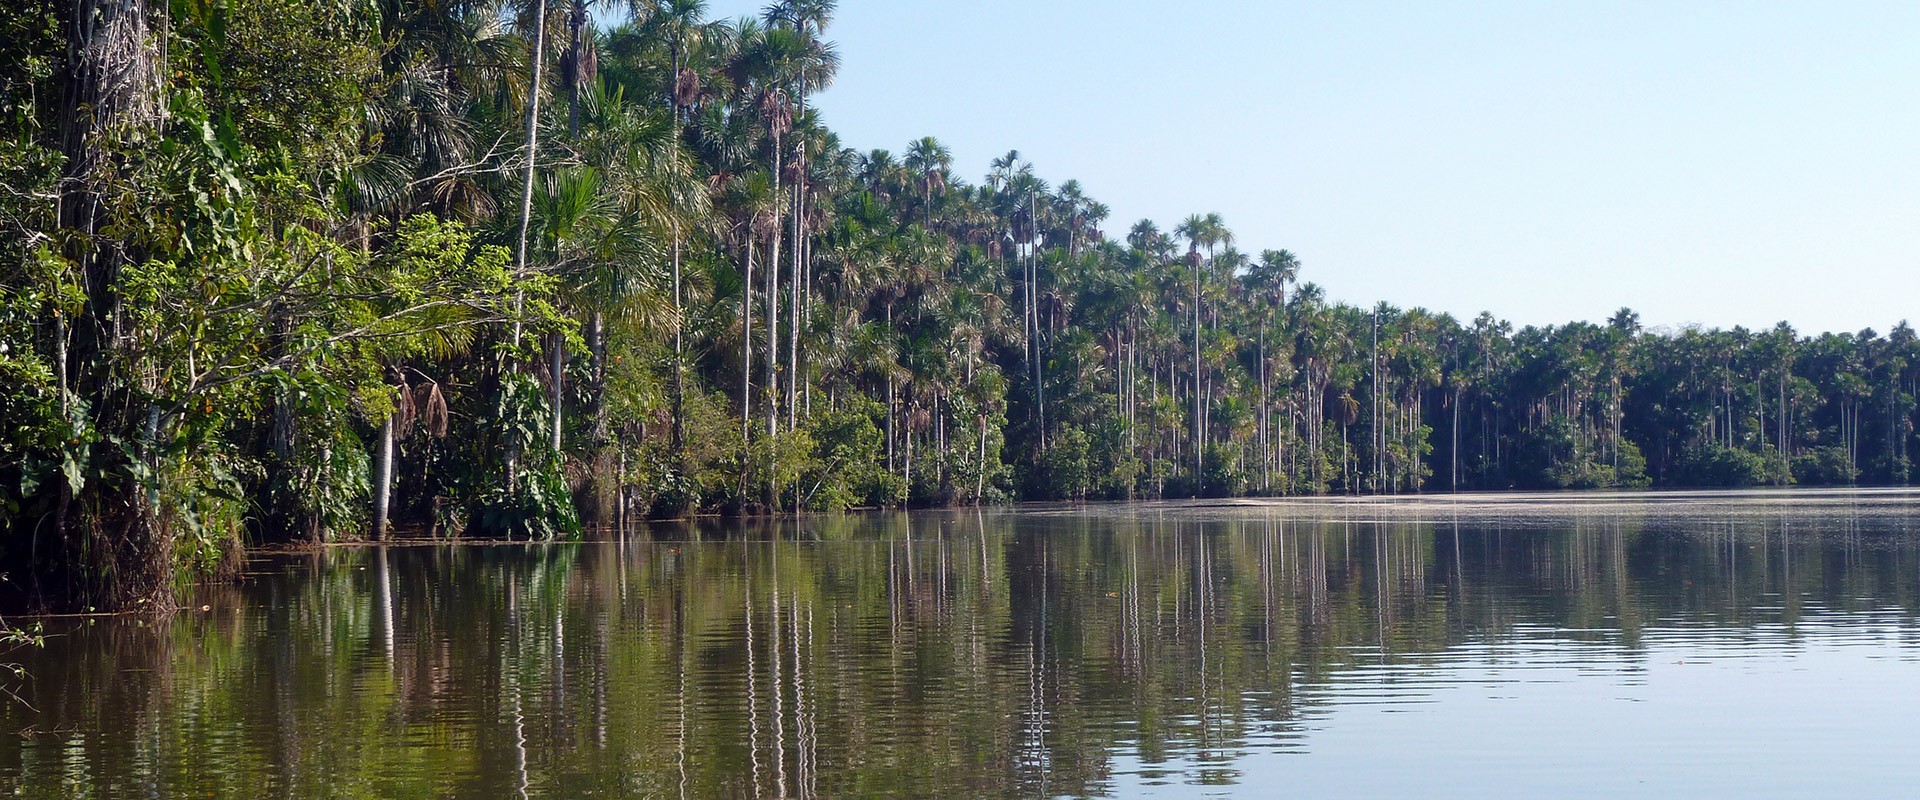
[
  {"x": 597, "y": 351},
  {"x": 1375, "y": 440},
  {"x": 678, "y": 426},
  {"x": 806, "y": 315},
  {"x": 1786, "y": 428},
  {"x": 795, "y": 279},
  {"x": 772, "y": 387},
  {"x": 1133, "y": 391},
  {"x": 66, "y": 411},
  {"x": 891, "y": 404},
  {"x": 576, "y": 77},
  {"x": 1027, "y": 347},
  {"x": 1455, "y": 454},
  {"x": 793, "y": 307},
  {"x": 576, "y": 63},
  {"x": 679, "y": 434},
  {"x": 1266, "y": 475},
  {"x": 980, "y": 475},
  {"x": 533, "y": 143},
  {"x": 1039, "y": 333},
  {"x": 557, "y": 374},
  {"x": 746, "y": 345},
  {"x": 1199, "y": 446},
  {"x": 383, "y": 479}
]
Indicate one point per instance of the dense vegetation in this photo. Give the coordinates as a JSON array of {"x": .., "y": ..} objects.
[{"x": 278, "y": 271}]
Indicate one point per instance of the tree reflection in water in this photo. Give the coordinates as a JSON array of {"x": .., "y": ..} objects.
[{"x": 942, "y": 654}]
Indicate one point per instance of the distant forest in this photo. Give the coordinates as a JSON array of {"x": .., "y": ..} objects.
[{"x": 282, "y": 271}]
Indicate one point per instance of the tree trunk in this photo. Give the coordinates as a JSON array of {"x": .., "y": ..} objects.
[
  {"x": 383, "y": 479},
  {"x": 806, "y": 315},
  {"x": 533, "y": 142},
  {"x": 597, "y": 351},
  {"x": 891, "y": 404},
  {"x": 557, "y": 375},
  {"x": 793, "y": 286},
  {"x": 1198, "y": 448},
  {"x": 114, "y": 552},
  {"x": 746, "y": 346},
  {"x": 980, "y": 477},
  {"x": 1033, "y": 288},
  {"x": 772, "y": 387},
  {"x": 1456, "y": 439},
  {"x": 1026, "y": 328},
  {"x": 1266, "y": 476},
  {"x": 679, "y": 435},
  {"x": 576, "y": 63}
]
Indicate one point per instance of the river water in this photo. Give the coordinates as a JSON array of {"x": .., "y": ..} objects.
[{"x": 1658, "y": 645}]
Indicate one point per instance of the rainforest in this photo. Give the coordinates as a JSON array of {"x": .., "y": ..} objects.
[{"x": 280, "y": 272}]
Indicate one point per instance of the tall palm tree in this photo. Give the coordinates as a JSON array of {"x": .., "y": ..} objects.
[
  {"x": 580, "y": 60},
  {"x": 929, "y": 160},
  {"x": 1015, "y": 189},
  {"x": 1023, "y": 193},
  {"x": 1268, "y": 282},
  {"x": 1198, "y": 232},
  {"x": 814, "y": 68},
  {"x": 753, "y": 198},
  {"x": 770, "y": 60},
  {"x": 678, "y": 22}
]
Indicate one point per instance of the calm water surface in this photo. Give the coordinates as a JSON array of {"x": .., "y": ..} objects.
[{"x": 1708, "y": 645}]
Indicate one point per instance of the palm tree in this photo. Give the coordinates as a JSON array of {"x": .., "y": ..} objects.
[
  {"x": 1016, "y": 192},
  {"x": 771, "y": 59},
  {"x": 752, "y": 196},
  {"x": 580, "y": 60},
  {"x": 1197, "y": 231},
  {"x": 814, "y": 68},
  {"x": 679, "y": 23},
  {"x": 929, "y": 159},
  {"x": 1027, "y": 227},
  {"x": 1268, "y": 284}
]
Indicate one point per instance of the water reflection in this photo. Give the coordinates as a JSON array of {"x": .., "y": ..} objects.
[{"x": 1157, "y": 651}]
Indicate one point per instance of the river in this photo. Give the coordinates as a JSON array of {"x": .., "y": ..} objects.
[{"x": 1656, "y": 645}]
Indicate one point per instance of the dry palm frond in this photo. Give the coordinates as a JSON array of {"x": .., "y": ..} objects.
[
  {"x": 1349, "y": 409},
  {"x": 432, "y": 409},
  {"x": 405, "y": 411},
  {"x": 686, "y": 87}
]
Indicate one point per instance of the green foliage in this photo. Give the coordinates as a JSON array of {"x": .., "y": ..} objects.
[
  {"x": 1223, "y": 477},
  {"x": 39, "y": 444},
  {"x": 1631, "y": 473},
  {"x": 1065, "y": 471},
  {"x": 528, "y": 496},
  {"x": 848, "y": 465},
  {"x": 1824, "y": 466},
  {"x": 1554, "y": 457},
  {"x": 1118, "y": 472},
  {"x": 1719, "y": 466}
]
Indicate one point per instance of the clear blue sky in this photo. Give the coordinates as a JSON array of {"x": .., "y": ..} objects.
[{"x": 1713, "y": 163}]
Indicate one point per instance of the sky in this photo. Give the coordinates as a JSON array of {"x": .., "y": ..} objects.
[{"x": 1702, "y": 163}]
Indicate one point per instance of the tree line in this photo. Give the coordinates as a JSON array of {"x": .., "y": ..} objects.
[{"x": 284, "y": 271}]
